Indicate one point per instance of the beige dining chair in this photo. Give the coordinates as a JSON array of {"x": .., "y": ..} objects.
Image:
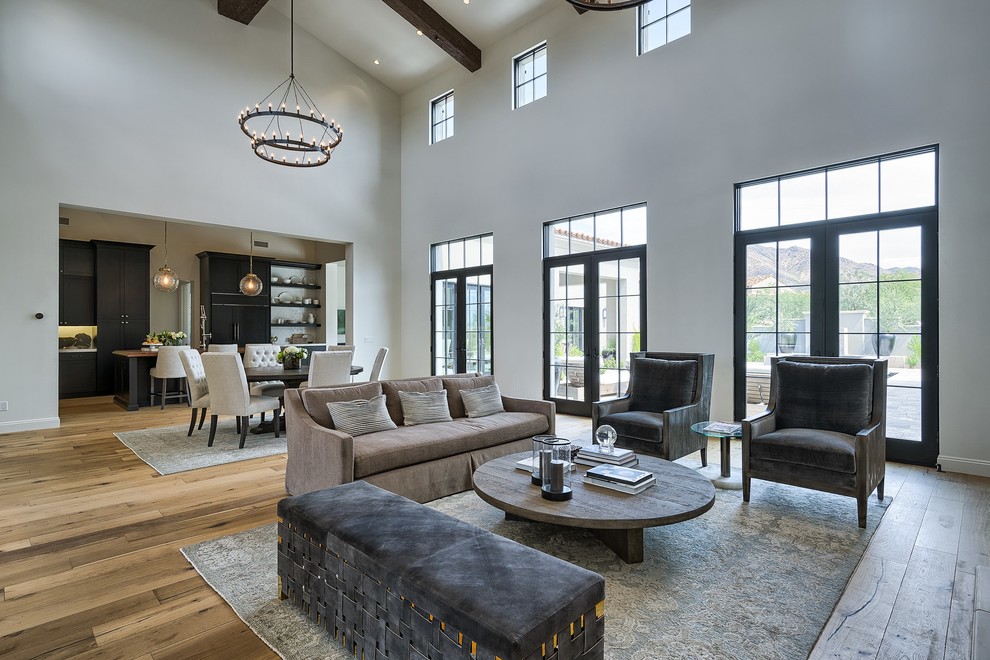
[
  {"x": 329, "y": 368},
  {"x": 199, "y": 392},
  {"x": 264, "y": 355},
  {"x": 168, "y": 366},
  {"x": 376, "y": 369},
  {"x": 229, "y": 394},
  {"x": 222, "y": 348}
]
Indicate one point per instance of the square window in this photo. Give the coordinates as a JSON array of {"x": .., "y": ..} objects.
[{"x": 661, "y": 21}]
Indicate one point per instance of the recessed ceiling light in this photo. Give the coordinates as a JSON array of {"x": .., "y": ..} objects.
[
  {"x": 377, "y": 62},
  {"x": 419, "y": 32},
  {"x": 467, "y": 2}
]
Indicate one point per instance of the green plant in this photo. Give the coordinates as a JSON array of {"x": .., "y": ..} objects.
[
  {"x": 166, "y": 337},
  {"x": 635, "y": 342},
  {"x": 753, "y": 352},
  {"x": 913, "y": 359},
  {"x": 291, "y": 352}
]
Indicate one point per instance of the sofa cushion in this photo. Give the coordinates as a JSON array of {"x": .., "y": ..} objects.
[
  {"x": 454, "y": 384},
  {"x": 482, "y": 401},
  {"x": 360, "y": 417},
  {"x": 660, "y": 385},
  {"x": 391, "y": 389},
  {"x": 834, "y": 397},
  {"x": 814, "y": 448},
  {"x": 424, "y": 407},
  {"x": 410, "y": 445},
  {"x": 315, "y": 399}
]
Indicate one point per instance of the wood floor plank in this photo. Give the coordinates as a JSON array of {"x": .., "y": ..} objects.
[
  {"x": 940, "y": 527},
  {"x": 861, "y": 615},
  {"x": 974, "y": 537},
  {"x": 898, "y": 530},
  {"x": 920, "y": 617},
  {"x": 959, "y": 637}
]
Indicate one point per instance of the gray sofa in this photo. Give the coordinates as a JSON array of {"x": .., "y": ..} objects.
[{"x": 422, "y": 462}]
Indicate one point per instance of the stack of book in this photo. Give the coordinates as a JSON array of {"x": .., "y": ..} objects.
[
  {"x": 593, "y": 455},
  {"x": 622, "y": 479},
  {"x": 724, "y": 428}
]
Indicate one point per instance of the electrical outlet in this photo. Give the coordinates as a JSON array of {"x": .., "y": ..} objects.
[
  {"x": 3, "y": 406},
  {"x": 368, "y": 340}
]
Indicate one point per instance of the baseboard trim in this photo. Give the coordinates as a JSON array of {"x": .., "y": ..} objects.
[
  {"x": 30, "y": 425},
  {"x": 964, "y": 465}
]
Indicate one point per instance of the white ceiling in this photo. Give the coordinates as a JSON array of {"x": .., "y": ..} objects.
[{"x": 365, "y": 30}]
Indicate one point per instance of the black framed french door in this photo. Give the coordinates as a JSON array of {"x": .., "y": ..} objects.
[
  {"x": 866, "y": 286},
  {"x": 461, "y": 318},
  {"x": 594, "y": 316}
]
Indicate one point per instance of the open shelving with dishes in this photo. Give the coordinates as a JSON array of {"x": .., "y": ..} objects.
[{"x": 295, "y": 301}]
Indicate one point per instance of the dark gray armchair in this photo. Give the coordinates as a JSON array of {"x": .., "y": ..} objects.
[
  {"x": 824, "y": 428},
  {"x": 668, "y": 392}
]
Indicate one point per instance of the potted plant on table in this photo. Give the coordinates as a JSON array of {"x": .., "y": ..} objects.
[
  {"x": 171, "y": 337},
  {"x": 290, "y": 356}
]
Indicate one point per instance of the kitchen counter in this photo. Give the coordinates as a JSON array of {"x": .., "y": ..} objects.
[{"x": 77, "y": 350}]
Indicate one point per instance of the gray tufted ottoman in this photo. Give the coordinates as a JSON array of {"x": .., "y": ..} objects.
[{"x": 390, "y": 578}]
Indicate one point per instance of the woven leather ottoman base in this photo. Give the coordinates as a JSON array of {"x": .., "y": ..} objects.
[{"x": 390, "y": 578}]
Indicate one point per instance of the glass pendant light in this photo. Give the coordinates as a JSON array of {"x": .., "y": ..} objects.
[
  {"x": 166, "y": 279},
  {"x": 251, "y": 284}
]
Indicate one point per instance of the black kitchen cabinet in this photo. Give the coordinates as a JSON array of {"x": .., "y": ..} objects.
[
  {"x": 76, "y": 373},
  {"x": 239, "y": 324},
  {"x": 232, "y": 317},
  {"x": 76, "y": 283},
  {"x": 123, "y": 282}
]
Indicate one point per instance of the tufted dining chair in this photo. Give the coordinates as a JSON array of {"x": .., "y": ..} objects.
[
  {"x": 168, "y": 366},
  {"x": 199, "y": 392},
  {"x": 263, "y": 355},
  {"x": 229, "y": 394},
  {"x": 222, "y": 348},
  {"x": 329, "y": 368},
  {"x": 668, "y": 392},
  {"x": 824, "y": 428}
]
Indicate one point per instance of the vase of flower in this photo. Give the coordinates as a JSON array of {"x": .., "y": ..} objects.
[{"x": 290, "y": 357}]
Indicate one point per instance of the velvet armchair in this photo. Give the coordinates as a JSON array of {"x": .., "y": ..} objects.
[
  {"x": 824, "y": 428},
  {"x": 668, "y": 392}
]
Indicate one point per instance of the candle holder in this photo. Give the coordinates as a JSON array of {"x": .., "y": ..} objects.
[
  {"x": 555, "y": 473},
  {"x": 540, "y": 443}
]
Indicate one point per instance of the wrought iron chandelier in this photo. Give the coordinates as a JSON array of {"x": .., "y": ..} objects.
[
  {"x": 166, "y": 279},
  {"x": 251, "y": 284},
  {"x": 607, "y": 5},
  {"x": 297, "y": 138}
]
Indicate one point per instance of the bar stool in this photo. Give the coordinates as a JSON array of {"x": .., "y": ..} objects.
[{"x": 168, "y": 366}]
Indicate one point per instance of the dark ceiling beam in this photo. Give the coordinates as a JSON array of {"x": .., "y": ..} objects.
[
  {"x": 425, "y": 19},
  {"x": 242, "y": 11}
]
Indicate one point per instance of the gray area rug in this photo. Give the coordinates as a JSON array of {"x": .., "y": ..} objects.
[
  {"x": 745, "y": 581},
  {"x": 169, "y": 450}
]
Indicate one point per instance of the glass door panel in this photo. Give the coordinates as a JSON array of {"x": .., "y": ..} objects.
[
  {"x": 445, "y": 326},
  {"x": 619, "y": 324},
  {"x": 778, "y": 311},
  {"x": 880, "y": 307},
  {"x": 567, "y": 304},
  {"x": 478, "y": 326}
]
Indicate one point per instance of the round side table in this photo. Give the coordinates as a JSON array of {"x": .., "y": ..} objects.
[{"x": 724, "y": 478}]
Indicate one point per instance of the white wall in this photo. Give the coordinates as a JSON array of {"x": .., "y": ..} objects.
[
  {"x": 759, "y": 88},
  {"x": 131, "y": 106}
]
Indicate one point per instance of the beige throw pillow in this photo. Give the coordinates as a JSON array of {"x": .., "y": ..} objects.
[
  {"x": 361, "y": 416},
  {"x": 424, "y": 407},
  {"x": 482, "y": 401}
]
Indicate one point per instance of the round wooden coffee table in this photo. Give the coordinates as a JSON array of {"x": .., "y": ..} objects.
[{"x": 617, "y": 519}]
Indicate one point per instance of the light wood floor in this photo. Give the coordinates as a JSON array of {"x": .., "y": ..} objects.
[{"x": 90, "y": 567}]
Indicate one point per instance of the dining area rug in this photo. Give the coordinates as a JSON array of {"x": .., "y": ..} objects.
[
  {"x": 168, "y": 450},
  {"x": 743, "y": 581}
]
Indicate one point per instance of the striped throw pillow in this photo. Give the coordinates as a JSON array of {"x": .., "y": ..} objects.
[
  {"x": 482, "y": 401},
  {"x": 361, "y": 416},
  {"x": 424, "y": 407}
]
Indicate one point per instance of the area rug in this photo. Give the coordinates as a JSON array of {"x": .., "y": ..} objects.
[
  {"x": 743, "y": 581},
  {"x": 168, "y": 450}
]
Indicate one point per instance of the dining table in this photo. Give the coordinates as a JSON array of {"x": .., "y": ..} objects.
[{"x": 292, "y": 378}]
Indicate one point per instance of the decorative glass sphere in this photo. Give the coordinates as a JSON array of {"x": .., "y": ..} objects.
[
  {"x": 606, "y": 438},
  {"x": 251, "y": 285},
  {"x": 166, "y": 279}
]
